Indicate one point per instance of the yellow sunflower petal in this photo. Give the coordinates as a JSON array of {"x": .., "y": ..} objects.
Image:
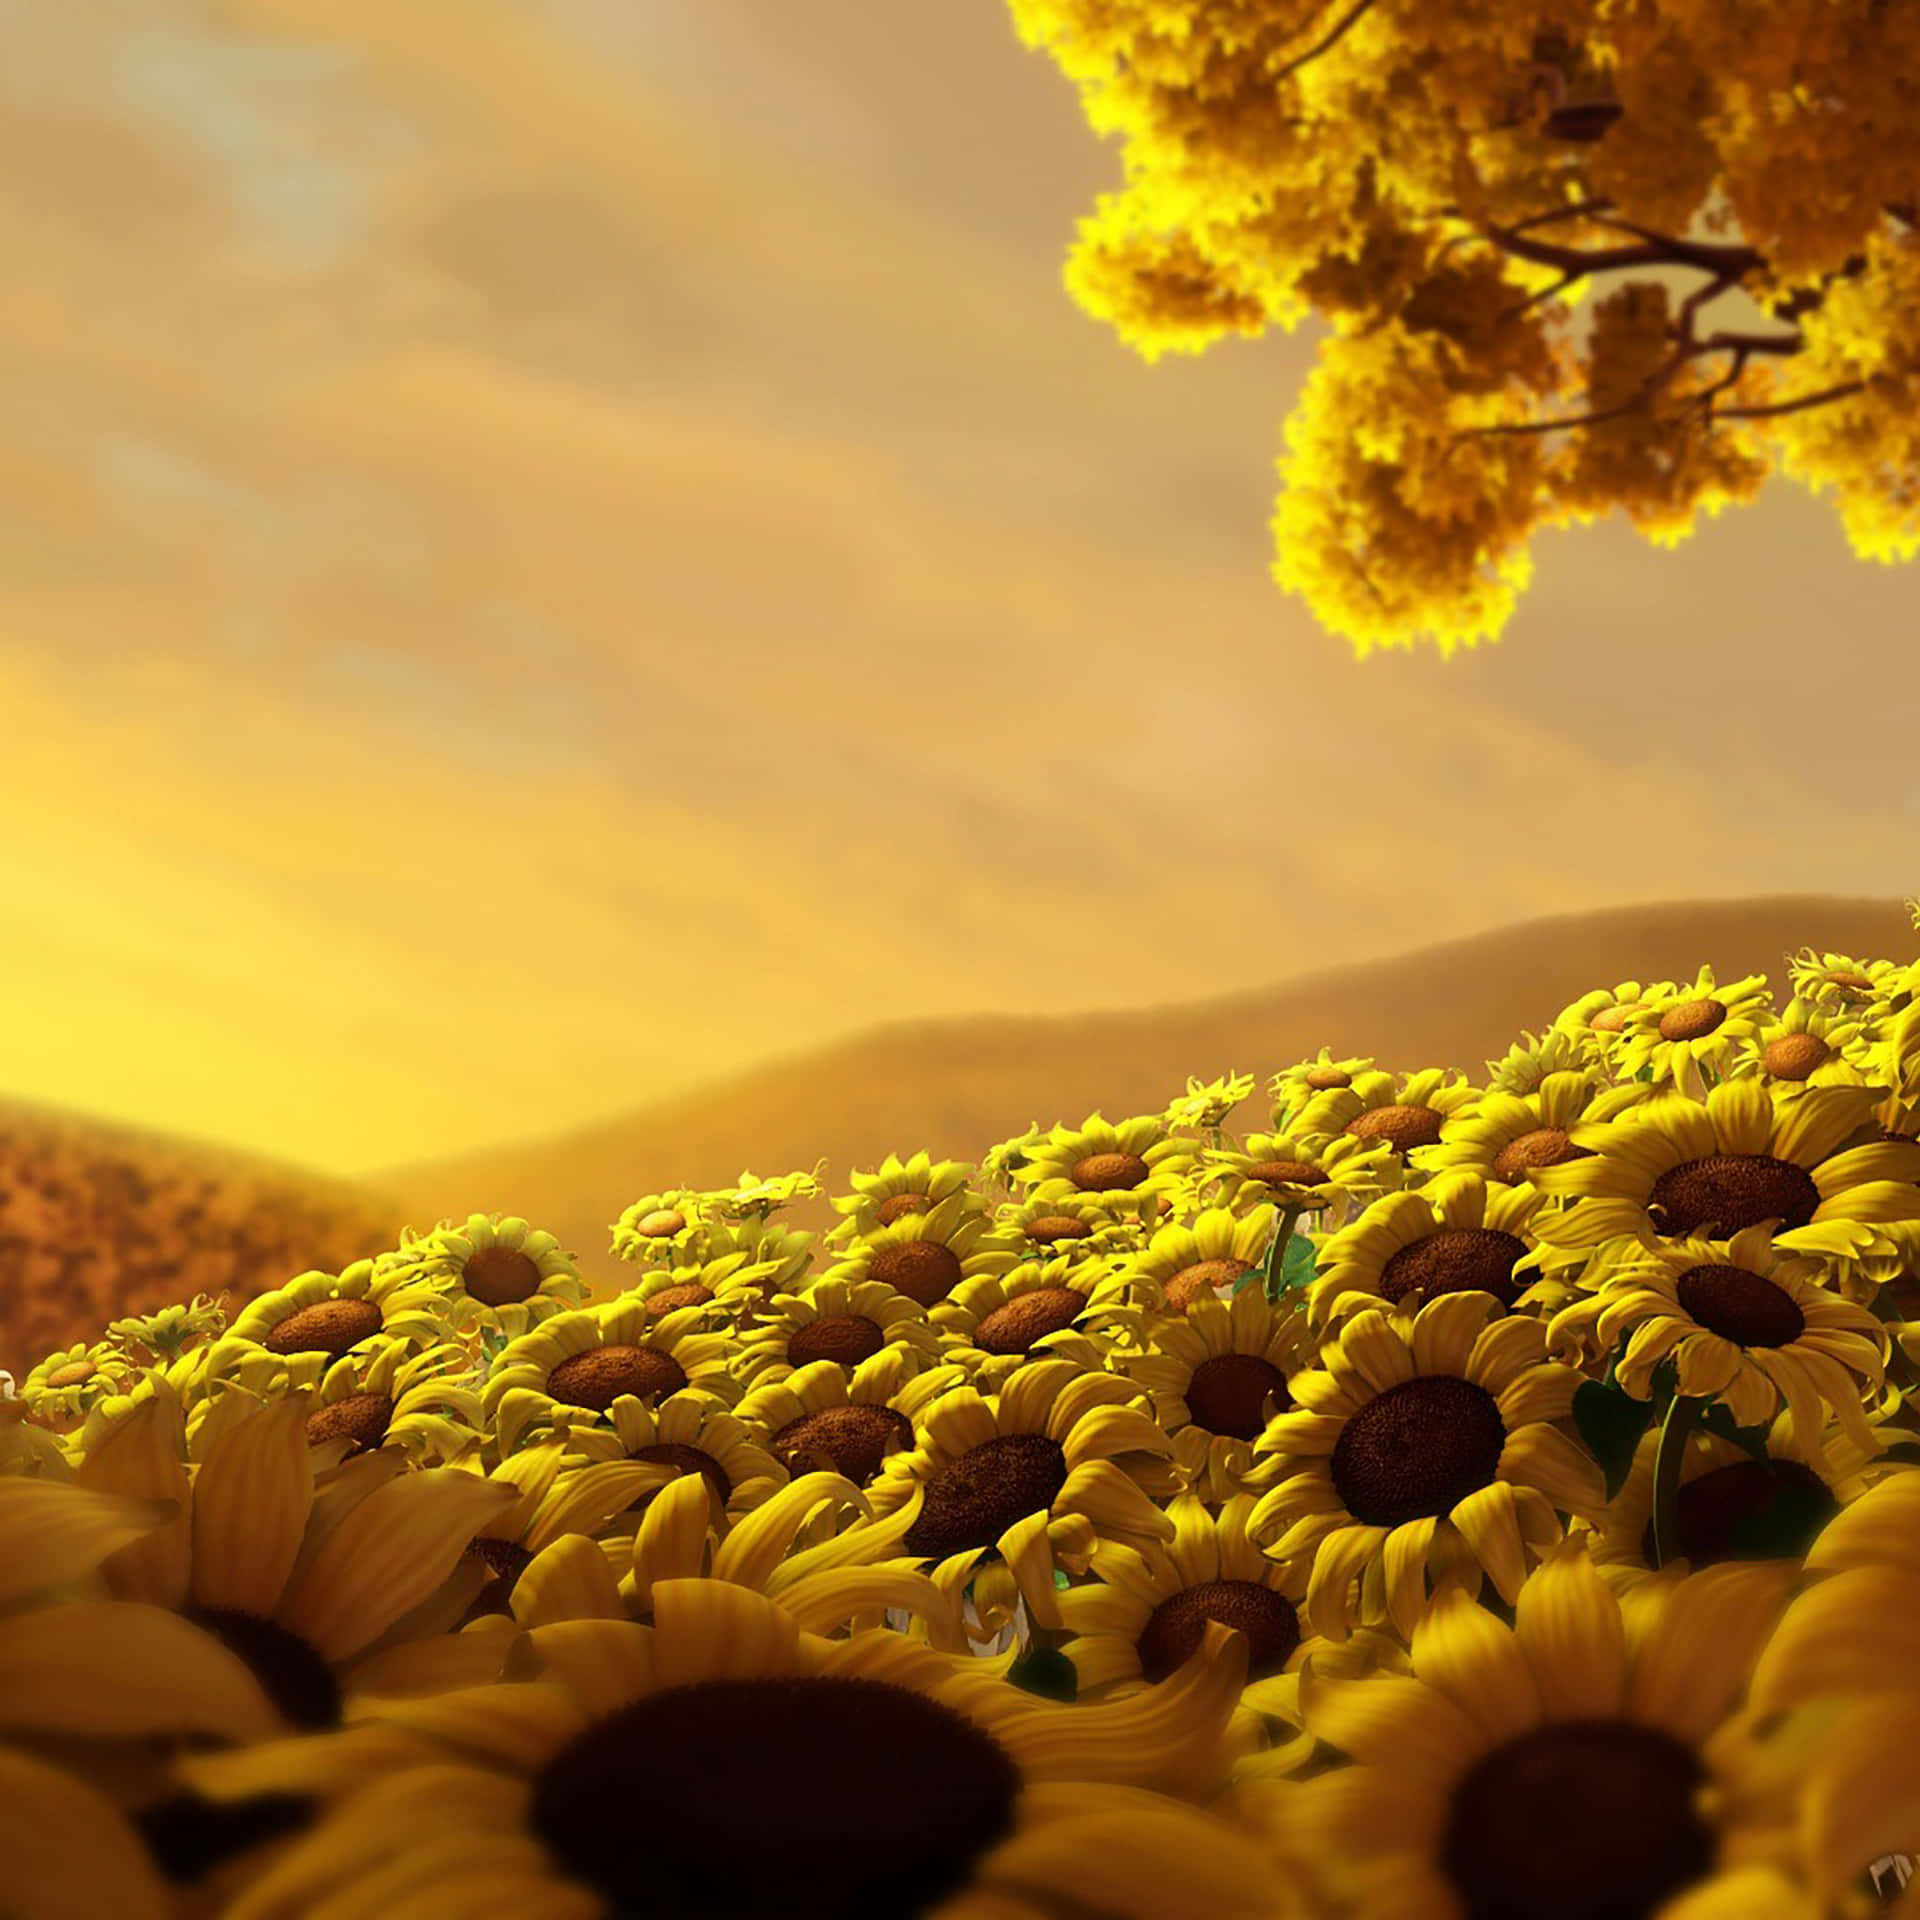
[
  {"x": 251, "y": 1502},
  {"x": 67, "y": 1853},
  {"x": 1568, "y": 1623}
]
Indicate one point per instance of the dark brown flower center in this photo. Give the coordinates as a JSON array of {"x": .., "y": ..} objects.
[
  {"x": 684, "y": 1459},
  {"x": 1028, "y": 1317},
  {"x": 1691, "y": 1020},
  {"x": 661, "y": 1224},
  {"x": 1418, "y": 1450},
  {"x": 852, "y": 1441},
  {"x": 1229, "y": 1393},
  {"x": 924, "y": 1270},
  {"x": 1543, "y": 1147},
  {"x": 361, "y": 1418},
  {"x": 1462, "y": 1260},
  {"x": 331, "y": 1326},
  {"x": 690, "y": 1293},
  {"x": 1794, "y": 1056},
  {"x": 501, "y": 1276},
  {"x": 1402, "y": 1128},
  {"x": 818, "y": 1759},
  {"x": 1325, "y": 1079},
  {"x": 844, "y": 1338},
  {"x": 1050, "y": 1227},
  {"x": 188, "y": 1836},
  {"x": 1202, "y": 1280},
  {"x": 1176, "y": 1627},
  {"x": 1740, "y": 1306},
  {"x": 1285, "y": 1173},
  {"x": 598, "y": 1377},
  {"x": 1713, "y": 1510},
  {"x": 900, "y": 1204},
  {"x": 1108, "y": 1172},
  {"x": 1583, "y": 1819},
  {"x": 977, "y": 1497},
  {"x": 1729, "y": 1192},
  {"x": 291, "y": 1674}
]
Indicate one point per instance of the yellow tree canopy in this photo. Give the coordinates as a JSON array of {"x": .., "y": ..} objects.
[{"x": 1518, "y": 222}]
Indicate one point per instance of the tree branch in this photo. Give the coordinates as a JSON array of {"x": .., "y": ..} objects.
[
  {"x": 1338, "y": 31},
  {"x": 1790, "y": 406}
]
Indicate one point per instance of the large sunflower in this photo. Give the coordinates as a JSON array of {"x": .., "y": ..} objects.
[
  {"x": 1675, "y": 1166},
  {"x": 1550, "y": 1767},
  {"x": 1692, "y": 1035},
  {"x": 1425, "y": 1447},
  {"x": 528, "y": 1788}
]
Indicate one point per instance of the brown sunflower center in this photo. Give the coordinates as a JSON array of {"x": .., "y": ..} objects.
[
  {"x": 844, "y": 1338},
  {"x": 291, "y": 1674},
  {"x": 1228, "y": 1394},
  {"x": 1543, "y": 1147},
  {"x": 329, "y": 1326},
  {"x": 899, "y": 1204},
  {"x": 1402, "y": 1128},
  {"x": 1691, "y": 1020},
  {"x": 1057, "y": 1226},
  {"x": 690, "y": 1293},
  {"x": 1794, "y": 1055},
  {"x": 1176, "y": 1627},
  {"x": 1028, "y": 1317},
  {"x": 1740, "y": 1306},
  {"x": 501, "y": 1276},
  {"x": 1586, "y": 1819},
  {"x": 817, "y": 1758},
  {"x": 852, "y": 1441},
  {"x": 506, "y": 1561},
  {"x": 362, "y": 1418},
  {"x": 1714, "y": 1511},
  {"x": 1464, "y": 1260},
  {"x": 188, "y": 1836},
  {"x": 1108, "y": 1172},
  {"x": 1731, "y": 1192},
  {"x": 1201, "y": 1280},
  {"x": 685, "y": 1459},
  {"x": 1285, "y": 1173},
  {"x": 1613, "y": 1019},
  {"x": 1418, "y": 1450},
  {"x": 1325, "y": 1079},
  {"x": 1851, "y": 979},
  {"x": 598, "y": 1377},
  {"x": 977, "y": 1497},
  {"x": 924, "y": 1270},
  {"x": 72, "y": 1374},
  {"x": 661, "y": 1224}
]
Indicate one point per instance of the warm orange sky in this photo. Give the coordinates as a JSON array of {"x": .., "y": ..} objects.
[{"x": 549, "y": 552}]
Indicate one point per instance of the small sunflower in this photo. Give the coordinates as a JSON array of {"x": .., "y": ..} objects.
[
  {"x": 1458, "y": 1233},
  {"x": 1534, "y": 1058},
  {"x": 1408, "y": 1112},
  {"x": 1217, "y": 1373},
  {"x": 529, "y": 1785},
  {"x": 898, "y": 1187},
  {"x": 687, "y": 1433},
  {"x": 926, "y": 1255},
  {"x": 660, "y": 1227},
  {"x": 1072, "y": 1307},
  {"x": 1697, "y": 1030},
  {"x": 569, "y": 1371},
  {"x": 1834, "y": 980},
  {"x": 1744, "y": 1324},
  {"x": 1675, "y": 1166},
  {"x": 1553, "y": 1766},
  {"x": 1597, "y": 1019},
  {"x": 752, "y": 1198},
  {"x": 1507, "y": 1135},
  {"x": 1809, "y": 1045},
  {"x": 781, "y": 1254},
  {"x": 821, "y": 1417},
  {"x": 1043, "y": 1228},
  {"x": 423, "y": 1402},
  {"x": 67, "y": 1383},
  {"x": 317, "y": 1317},
  {"x": 732, "y": 1287},
  {"x": 1002, "y": 1161},
  {"x": 834, "y": 1319},
  {"x": 1135, "y": 1168},
  {"x": 1293, "y": 1088},
  {"x": 1199, "y": 1259},
  {"x": 164, "y": 1336},
  {"x": 1322, "y": 1175},
  {"x": 1207, "y": 1105},
  {"x": 1425, "y": 1444},
  {"x": 497, "y": 1274},
  {"x": 1034, "y": 1474}
]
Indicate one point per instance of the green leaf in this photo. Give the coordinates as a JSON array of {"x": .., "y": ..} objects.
[
  {"x": 1296, "y": 1267},
  {"x": 1061, "y": 1578},
  {"x": 1786, "y": 1526},
  {"x": 1047, "y": 1672},
  {"x": 1644, "y": 1075},
  {"x": 1611, "y": 1423}
]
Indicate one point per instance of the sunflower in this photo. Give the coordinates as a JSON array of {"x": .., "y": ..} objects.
[
  {"x": 1407, "y": 1112},
  {"x": 1835, "y": 980},
  {"x": 1598, "y": 1018},
  {"x": 732, "y": 1286},
  {"x": 1205, "y": 1105},
  {"x": 751, "y": 1197},
  {"x": 658, "y": 1227},
  {"x": 422, "y": 1402},
  {"x": 528, "y": 1787},
  {"x": 1675, "y": 1166},
  {"x": 833, "y": 1319},
  {"x": 1425, "y": 1445},
  {"x": 1744, "y": 1324},
  {"x": 1695, "y": 1031},
  {"x": 1322, "y": 1175},
  {"x": 1553, "y": 1766},
  {"x": 1458, "y": 1233},
  {"x": 1294, "y": 1087},
  {"x": 67, "y": 1852},
  {"x": 1533, "y": 1058},
  {"x": 165, "y": 1335},
  {"x": 1216, "y": 1373},
  {"x": 1507, "y": 1135},
  {"x": 570, "y": 1370},
  {"x": 1809, "y": 1045},
  {"x": 61, "y": 1389},
  {"x": 897, "y": 1188},
  {"x": 1198, "y": 1259},
  {"x": 497, "y": 1274},
  {"x": 1043, "y": 1228},
  {"x": 994, "y": 1326},
  {"x": 1032, "y": 1474},
  {"x": 1005, "y": 1158},
  {"x": 1135, "y": 1168},
  {"x": 783, "y": 1253},
  {"x": 926, "y": 1255},
  {"x": 316, "y": 1317},
  {"x": 822, "y": 1416}
]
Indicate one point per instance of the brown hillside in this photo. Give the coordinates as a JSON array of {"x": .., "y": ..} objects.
[{"x": 955, "y": 1087}]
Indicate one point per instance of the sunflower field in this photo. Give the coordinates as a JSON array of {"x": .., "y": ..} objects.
[{"x": 1427, "y": 1501}]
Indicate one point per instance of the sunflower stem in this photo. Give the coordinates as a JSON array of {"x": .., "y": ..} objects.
[
  {"x": 1683, "y": 1414},
  {"x": 1277, "y": 1253}
]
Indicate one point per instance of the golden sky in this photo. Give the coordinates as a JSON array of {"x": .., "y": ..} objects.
[{"x": 553, "y": 550}]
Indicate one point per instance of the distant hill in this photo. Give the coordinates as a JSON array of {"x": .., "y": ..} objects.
[
  {"x": 99, "y": 1219},
  {"x": 954, "y": 1087}
]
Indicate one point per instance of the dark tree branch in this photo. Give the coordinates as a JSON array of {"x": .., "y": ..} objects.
[
  {"x": 1338, "y": 30},
  {"x": 1791, "y": 406}
]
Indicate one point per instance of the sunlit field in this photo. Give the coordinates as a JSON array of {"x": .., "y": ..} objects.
[{"x": 1343, "y": 1492}]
